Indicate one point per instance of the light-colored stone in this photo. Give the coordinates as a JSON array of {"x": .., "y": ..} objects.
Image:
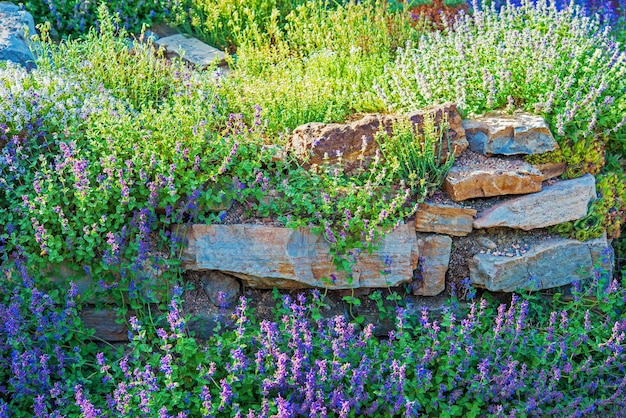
[
  {"x": 555, "y": 204},
  {"x": 312, "y": 142},
  {"x": 552, "y": 263},
  {"x": 192, "y": 50},
  {"x": 434, "y": 258},
  {"x": 13, "y": 42},
  {"x": 267, "y": 257},
  {"x": 468, "y": 182},
  {"x": 214, "y": 282},
  {"x": 504, "y": 134},
  {"x": 444, "y": 219}
]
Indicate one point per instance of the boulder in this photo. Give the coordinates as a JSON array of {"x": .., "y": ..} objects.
[
  {"x": 555, "y": 204},
  {"x": 470, "y": 178},
  {"x": 13, "y": 42},
  {"x": 444, "y": 219},
  {"x": 355, "y": 142},
  {"x": 552, "y": 263},
  {"x": 267, "y": 257},
  {"x": 214, "y": 282},
  {"x": 434, "y": 258},
  {"x": 504, "y": 134},
  {"x": 192, "y": 50}
]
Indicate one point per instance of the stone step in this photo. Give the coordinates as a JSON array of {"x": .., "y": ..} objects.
[
  {"x": 557, "y": 203},
  {"x": 193, "y": 50},
  {"x": 552, "y": 263},
  {"x": 498, "y": 133},
  {"x": 474, "y": 175}
]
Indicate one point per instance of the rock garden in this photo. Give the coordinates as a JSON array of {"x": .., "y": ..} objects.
[{"x": 312, "y": 208}]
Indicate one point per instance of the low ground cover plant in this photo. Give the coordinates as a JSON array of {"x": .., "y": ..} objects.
[
  {"x": 524, "y": 358},
  {"x": 101, "y": 169}
]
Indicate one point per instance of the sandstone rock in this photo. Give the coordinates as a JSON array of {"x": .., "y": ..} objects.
[
  {"x": 13, "y": 42},
  {"x": 552, "y": 263},
  {"x": 434, "y": 257},
  {"x": 551, "y": 170},
  {"x": 315, "y": 140},
  {"x": 555, "y": 204},
  {"x": 103, "y": 322},
  {"x": 477, "y": 180},
  {"x": 193, "y": 50},
  {"x": 267, "y": 257},
  {"x": 500, "y": 133},
  {"x": 214, "y": 282},
  {"x": 444, "y": 219}
]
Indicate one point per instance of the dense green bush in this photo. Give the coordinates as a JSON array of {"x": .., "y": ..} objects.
[
  {"x": 560, "y": 64},
  {"x": 319, "y": 65}
]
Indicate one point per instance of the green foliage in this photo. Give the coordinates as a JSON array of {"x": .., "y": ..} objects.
[
  {"x": 560, "y": 64},
  {"x": 319, "y": 65},
  {"x": 76, "y": 17},
  {"x": 606, "y": 214},
  {"x": 416, "y": 156}
]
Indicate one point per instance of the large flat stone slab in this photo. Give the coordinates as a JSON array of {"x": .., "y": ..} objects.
[
  {"x": 316, "y": 143},
  {"x": 555, "y": 262},
  {"x": 434, "y": 258},
  {"x": 267, "y": 257},
  {"x": 558, "y": 203},
  {"x": 193, "y": 50},
  {"x": 444, "y": 219},
  {"x": 503, "y": 134},
  {"x": 472, "y": 177},
  {"x": 13, "y": 42}
]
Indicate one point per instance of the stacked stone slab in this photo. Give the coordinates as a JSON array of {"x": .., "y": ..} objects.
[
  {"x": 420, "y": 251},
  {"x": 192, "y": 50},
  {"x": 553, "y": 263}
]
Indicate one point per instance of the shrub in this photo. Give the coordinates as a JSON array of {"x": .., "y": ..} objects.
[
  {"x": 318, "y": 66},
  {"x": 76, "y": 17},
  {"x": 560, "y": 64}
]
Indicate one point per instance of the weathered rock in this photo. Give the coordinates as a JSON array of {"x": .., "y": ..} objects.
[
  {"x": 486, "y": 243},
  {"x": 552, "y": 263},
  {"x": 13, "y": 42},
  {"x": 434, "y": 257},
  {"x": 206, "y": 326},
  {"x": 313, "y": 141},
  {"x": 555, "y": 204},
  {"x": 468, "y": 181},
  {"x": 214, "y": 282},
  {"x": 267, "y": 257},
  {"x": 503, "y": 134},
  {"x": 444, "y": 219},
  {"x": 103, "y": 322},
  {"x": 193, "y": 50},
  {"x": 551, "y": 170}
]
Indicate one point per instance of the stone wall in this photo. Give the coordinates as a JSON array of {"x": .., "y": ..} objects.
[{"x": 488, "y": 224}]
